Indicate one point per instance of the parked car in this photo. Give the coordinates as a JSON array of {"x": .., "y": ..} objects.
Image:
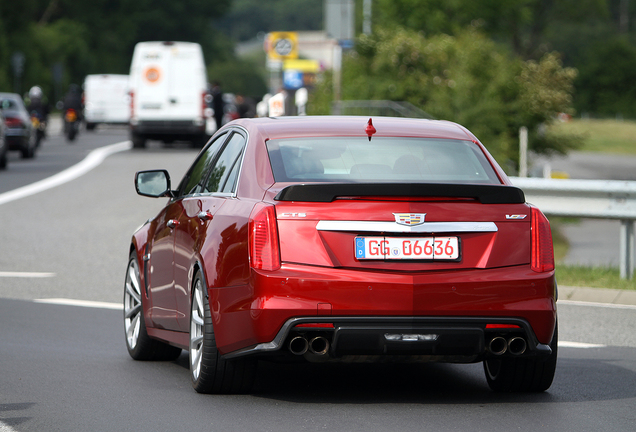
[
  {"x": 20, "y": 134},
  {"x": 3, "y": 143},
  {"x": 343, "y": 239}
]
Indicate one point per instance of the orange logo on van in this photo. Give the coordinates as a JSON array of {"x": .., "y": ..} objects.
[{"x": 152, "y": 74}]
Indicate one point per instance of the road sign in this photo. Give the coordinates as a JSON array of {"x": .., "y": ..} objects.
[
  {"x": 282, "y": 45},
  {"x": 292, "y": 79}
]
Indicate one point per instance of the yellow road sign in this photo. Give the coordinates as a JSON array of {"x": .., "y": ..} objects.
[{"x": 282, "y": 45}]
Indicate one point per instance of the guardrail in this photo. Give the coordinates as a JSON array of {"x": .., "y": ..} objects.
[{"x": 600, "y": 199}]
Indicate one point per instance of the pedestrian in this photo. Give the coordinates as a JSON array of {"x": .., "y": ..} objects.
[{"x": 218, "y": 105}]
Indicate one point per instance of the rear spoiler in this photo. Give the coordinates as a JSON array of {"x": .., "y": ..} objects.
[{"x": 327, "y": 192}]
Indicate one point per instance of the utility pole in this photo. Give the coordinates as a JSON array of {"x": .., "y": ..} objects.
[
  {"x": 623, "y": 23},
  {"x": 366, "y": 17}
]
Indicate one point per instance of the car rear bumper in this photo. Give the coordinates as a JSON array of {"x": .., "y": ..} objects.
[
  {"x": 448, "y": 339},
  {"x": 362, "y": 305},
  {"x": 16, "y": 138},
  {"x": 158, "y": 128}
]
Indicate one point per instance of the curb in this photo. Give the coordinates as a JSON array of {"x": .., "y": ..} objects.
[{"x": 598, "y": 295}]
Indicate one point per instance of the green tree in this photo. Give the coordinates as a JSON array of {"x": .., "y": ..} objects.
[
  {"x": 247, "y": 18},
  {"x": 99, "y": 36},
  {"x": 465, "y": 78}
]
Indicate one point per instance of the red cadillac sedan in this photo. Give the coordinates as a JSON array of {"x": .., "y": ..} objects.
[{"x": 342, "y": 239}]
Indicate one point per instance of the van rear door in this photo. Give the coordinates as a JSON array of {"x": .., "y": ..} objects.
[
  {"x": 185, "y": 82},
  {"x": 152, "y": 89}
]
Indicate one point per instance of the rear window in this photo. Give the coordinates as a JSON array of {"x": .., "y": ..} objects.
[
  {"x": 8, "y": 104},
  {"x": 353, "y": 159}
]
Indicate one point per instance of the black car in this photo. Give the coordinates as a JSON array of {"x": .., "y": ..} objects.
[{"x": 20, "y": 134}]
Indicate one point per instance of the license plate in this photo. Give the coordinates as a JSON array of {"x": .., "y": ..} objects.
[{"x": 405, "y": 248}]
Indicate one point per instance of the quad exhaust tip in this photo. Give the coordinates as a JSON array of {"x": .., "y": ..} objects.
[
  {"x": 298, "y": 345},
  {"x": 498, "y": 345},
  {"x": 318, "y": 345},
  {"x": 515, "y": 345}
]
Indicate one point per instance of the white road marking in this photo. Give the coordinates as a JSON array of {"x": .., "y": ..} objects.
[
  {"x": 93, "y": 159},
  {"x": 5, "y": 428},
  {"x": 566, "y": 344},
  {"x": 81, "y": 303},
  {"x": 26, "y": 274},
  {"x": 593, "y": 304},
  {"x": 118, "y": 306}
]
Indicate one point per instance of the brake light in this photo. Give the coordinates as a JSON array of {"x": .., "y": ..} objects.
[
  {"x": 542, "y": 259},
  {"x": 263, "y": 232},
  {"x": 316, "y": 325},
  {"x": 12, "y": 122},
  {"x": 132, "y": 104},
  {"x": 70, "y": 115}
]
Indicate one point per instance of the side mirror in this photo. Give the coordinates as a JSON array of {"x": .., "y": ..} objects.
[{"x": 153, "y": 183}]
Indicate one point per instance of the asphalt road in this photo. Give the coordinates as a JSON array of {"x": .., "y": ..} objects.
[{"x": 65, "y": 368}]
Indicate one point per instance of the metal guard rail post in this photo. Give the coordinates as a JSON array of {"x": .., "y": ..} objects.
[{"x": 600, "y": 199}]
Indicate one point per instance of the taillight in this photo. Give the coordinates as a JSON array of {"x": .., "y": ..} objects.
[
  {"x": 542, "y": 259},
  {"x": 264, "y": 250},
  {"x": 12, "y": 122},
  {"x": 132, "y": 104}
]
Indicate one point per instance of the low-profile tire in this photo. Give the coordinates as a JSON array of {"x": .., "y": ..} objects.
[
  {"x": 210, "y": 373},
  {"x": 3, "y": 161},
  {"x": 28, "y": 151},
  {"x": 534, "y": 374},
  {"x": 138, "y": 141},
  {"x": 140, "y": 346}
]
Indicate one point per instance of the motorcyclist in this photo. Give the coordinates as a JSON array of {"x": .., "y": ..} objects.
[
  {"x": 38, "y": 103},
  {"x": 73, "y": 100}
]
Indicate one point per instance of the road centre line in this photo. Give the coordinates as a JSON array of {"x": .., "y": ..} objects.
[
  {"x": 26, "y": 274},
  {"x": 93, "y": 159}
]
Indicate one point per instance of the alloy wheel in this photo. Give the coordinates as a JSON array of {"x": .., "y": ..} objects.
[
  {"x": 132, "y": 304},
  {"x": 196, "y": 329}
]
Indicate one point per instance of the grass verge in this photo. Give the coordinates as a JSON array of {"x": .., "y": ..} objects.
[
  {"x": 593, "y": 277},
  {"x": 604, "y": 136}
]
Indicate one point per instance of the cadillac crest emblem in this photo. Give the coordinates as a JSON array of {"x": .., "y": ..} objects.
[{"x": 409, "y": 219}]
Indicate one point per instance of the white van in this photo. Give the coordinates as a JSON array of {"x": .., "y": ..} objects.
[
  {"x": 106, "y": 100},
  {"x": 168, "y": 91}
]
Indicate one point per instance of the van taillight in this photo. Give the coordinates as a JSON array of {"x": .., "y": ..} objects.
[
  {"x": 263, "y": 238},
  {"x": 132, "y": 104},
  {"x": 542, "y": 259}
]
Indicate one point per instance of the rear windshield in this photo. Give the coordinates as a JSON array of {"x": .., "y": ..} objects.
[
  {"x": 8, "y": 104},
  {"x": 353, "y": 159}
]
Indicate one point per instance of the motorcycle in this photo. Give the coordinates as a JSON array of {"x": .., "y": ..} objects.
[
  {"x": 71, "y": 124},
  {"x": 39, "y": 125}
]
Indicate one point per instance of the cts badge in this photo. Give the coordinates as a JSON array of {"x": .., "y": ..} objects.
[
  {"x": 517, "y": 216},
  {"x": 409, "y": 219}
]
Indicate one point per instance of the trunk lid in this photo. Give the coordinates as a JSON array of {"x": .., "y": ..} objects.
[{"x": 485, "y": 226}]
